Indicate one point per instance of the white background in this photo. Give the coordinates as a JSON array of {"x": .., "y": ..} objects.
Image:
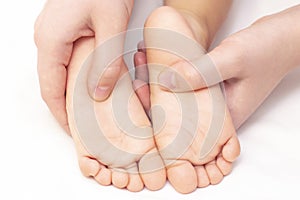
[{"x": 38, "y": 161}]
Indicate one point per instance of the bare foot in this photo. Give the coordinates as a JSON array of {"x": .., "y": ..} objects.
[
  {"x": 125, "y": 159},
  {"x": 186, "y": 170}
]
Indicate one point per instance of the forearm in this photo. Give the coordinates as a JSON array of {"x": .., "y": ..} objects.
[
  {"x": 281, "y": 31},
  {"x": 210, "y": 12}
]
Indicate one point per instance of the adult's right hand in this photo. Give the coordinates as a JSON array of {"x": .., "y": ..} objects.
[{"x": 59, "y": 25}]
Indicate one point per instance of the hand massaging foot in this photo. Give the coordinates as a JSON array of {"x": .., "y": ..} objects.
[
  {"x": 114, "y": 159},
  {"x": 193, "y": 130},
  {"x": 109, "y": 153}
]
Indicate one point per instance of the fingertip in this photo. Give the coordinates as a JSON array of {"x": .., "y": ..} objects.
[{"x": 141, "y": 47}]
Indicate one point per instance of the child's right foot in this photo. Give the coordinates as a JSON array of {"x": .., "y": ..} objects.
[
  {"x": 131, "y": 166},
  {"x": 187, "y": 171}
]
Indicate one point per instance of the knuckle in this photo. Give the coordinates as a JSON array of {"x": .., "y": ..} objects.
[
  {"x": 111, "y": 73},
  {"x": 44, "y": 95},
  {"x": 36, "y": 37},
  {"x": 189, "y": 72},
  {"x": 236, "y": 52},
  {"x": 37, "y": 29}
]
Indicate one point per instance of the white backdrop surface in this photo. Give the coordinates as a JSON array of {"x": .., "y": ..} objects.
[{"x": 38, "y": 161}]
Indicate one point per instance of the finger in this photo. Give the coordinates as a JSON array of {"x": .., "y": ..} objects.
[
  {"x": 141, "y": 68},
  {"x": 141, "y": 47},
  {"x": 207, "y": 70},
  {"x": 143, "y": 92},
  {"x": 54, "y": 52},
  {"x": 141, "y": 85},
  {"x": 52, "y": 61},
  {"x": 107, "y": 63}
]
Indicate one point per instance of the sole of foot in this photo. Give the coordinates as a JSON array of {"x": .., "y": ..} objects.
[
  {"x": 187, "y": 171},
  {"x": 122, "y": 171}
]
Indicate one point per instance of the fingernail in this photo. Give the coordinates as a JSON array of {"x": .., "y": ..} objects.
[
  {"x": 167, "y": 79},
  {"x": 101, "y": 93}
]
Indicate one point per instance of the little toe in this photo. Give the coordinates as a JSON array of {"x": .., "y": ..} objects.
[
  {"x": 120, "y": 178},
  {"x": 203, "y": 180},
  {"x": 182, "y": 176},
  {"x": 214, "y": 174},
  {"x": 89, "y": 167},
  {"x": 224, "y": 166},
  {"x": 104, "y": 176},
  {"x": 135, "y": 183},
  {"x": 231, "y": 149}
]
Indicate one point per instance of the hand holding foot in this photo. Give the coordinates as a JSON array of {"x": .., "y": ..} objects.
[
  {"x": 58, "y": 26},
  {"x": 180, "y": 165},
  {"x": 125, "y": 159},
  {"x": 251, "y": 62}
]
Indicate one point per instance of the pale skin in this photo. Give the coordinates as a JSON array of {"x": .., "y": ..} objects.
[
  {"x": 61, "y": 23},
  {"x": 201, "y": 173},
  {"x": 58, "y": 26},
  {"x": 206, "y": 173},
  {"x": 126, "y": 176},
  {"x": 253, "y": 61},
  {"x": 251, "y": 70}
]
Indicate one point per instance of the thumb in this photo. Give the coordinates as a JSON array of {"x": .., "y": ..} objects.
[
  {"x": 209, "y": 69},
  {"x": 108, "y": 54}
]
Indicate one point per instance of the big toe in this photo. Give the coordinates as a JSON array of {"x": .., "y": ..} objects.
[
  {"x": 152, "y": 170},
  {"x": 182, "y": 176}
]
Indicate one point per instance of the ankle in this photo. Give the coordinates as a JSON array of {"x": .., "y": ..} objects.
[{"x": 199, "y": 27}]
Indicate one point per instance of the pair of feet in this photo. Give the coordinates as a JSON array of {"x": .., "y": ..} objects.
[{"x": 155, "y": 159}]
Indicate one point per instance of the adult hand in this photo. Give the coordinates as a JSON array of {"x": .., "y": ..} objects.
[
  {"x": 58, "y": 26},
  {"x": 141, "y": 81},
  {"x": 251, "y": 63}
]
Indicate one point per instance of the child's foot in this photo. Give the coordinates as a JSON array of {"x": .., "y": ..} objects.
[
  {"x": 127, "y": 158},
  {"x": 185, "y": 170}
]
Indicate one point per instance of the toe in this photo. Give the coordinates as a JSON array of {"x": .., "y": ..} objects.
[
  {"x": 214, "y": 174},
  {"x": 120, "y": 178},
  {"x": 182, "y": 176},
  {"x": 152, "y": 170},
  {"x": 224, "y": 166},
  {"x": 135, "y": 183},
  {"x": 88, "y": 166},
  {"x": 155, "y": 180},
  {"x": 231, "y": 149},
  {"x": 104, "y": 176},
  {"x": 203, "y": 180}
]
